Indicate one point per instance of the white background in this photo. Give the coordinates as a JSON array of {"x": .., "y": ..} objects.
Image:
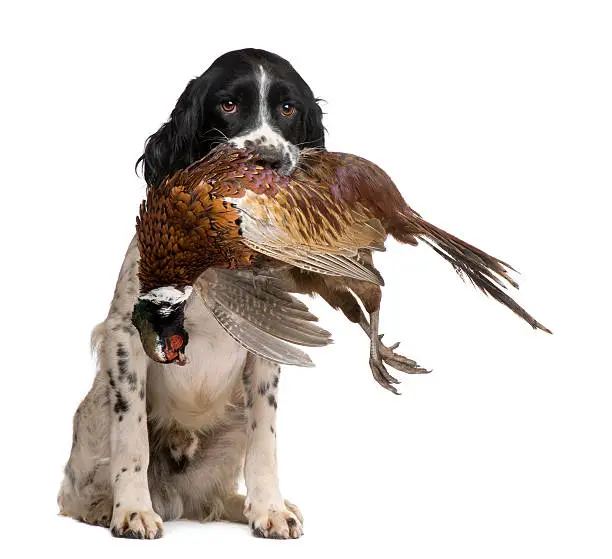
[{"x": 495, "y": 120}]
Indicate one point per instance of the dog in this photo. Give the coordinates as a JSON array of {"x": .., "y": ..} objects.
[{"x": 156, "y": 442}]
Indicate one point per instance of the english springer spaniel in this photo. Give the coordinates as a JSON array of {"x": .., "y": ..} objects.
[
  {"x": 248, "y": 98},
  {"x": 158, "y": 442}
]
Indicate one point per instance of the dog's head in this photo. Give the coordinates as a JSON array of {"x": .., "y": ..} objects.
[{"x": 250, "y": 98}]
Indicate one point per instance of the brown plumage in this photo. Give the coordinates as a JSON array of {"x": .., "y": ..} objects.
[{"x": 227, "y": 211}]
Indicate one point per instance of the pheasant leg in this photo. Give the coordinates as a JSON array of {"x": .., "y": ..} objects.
[
  {"x": 380, "y": 352},
  {"x": 395, "y": 360},
  {"x": 342, "y": 293}
]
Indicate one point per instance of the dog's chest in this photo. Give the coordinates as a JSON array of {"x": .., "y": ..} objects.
[{"x": 197, "y": 393}]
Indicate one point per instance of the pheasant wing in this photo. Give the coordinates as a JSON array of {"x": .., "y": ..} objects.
[
  {"x": 261, "y": 316},
  {"x": 301, "y": 224}
]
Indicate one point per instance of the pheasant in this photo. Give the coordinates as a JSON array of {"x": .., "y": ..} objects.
[{"x": 314, "y": 231}]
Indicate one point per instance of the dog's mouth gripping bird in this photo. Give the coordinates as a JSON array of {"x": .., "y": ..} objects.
[{"x": 229, "y": 211}]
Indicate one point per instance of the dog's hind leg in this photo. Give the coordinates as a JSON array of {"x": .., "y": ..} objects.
[{"x": 85, "y": 493}]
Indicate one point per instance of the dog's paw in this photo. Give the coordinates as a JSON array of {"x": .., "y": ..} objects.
[
  {"x": 280, "y": 522},
  {"x": 140, "y": 525},
  {"x": 99, "y": 512}
]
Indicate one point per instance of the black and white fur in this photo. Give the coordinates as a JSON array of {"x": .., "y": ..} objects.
[{"x": 156, "y": 442}]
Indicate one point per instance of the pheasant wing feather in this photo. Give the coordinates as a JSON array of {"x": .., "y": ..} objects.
[
  {"x": 261, "y": 316},
  {"x": 255, "y": 340}
]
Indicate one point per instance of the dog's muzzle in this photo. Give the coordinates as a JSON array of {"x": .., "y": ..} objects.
[{"x": 282, "y": 158}]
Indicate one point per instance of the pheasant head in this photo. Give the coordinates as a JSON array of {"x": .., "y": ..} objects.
[{"x": 159, "y": 315}]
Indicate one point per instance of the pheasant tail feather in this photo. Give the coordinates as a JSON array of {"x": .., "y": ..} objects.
[{"x": 486, "y": 272}]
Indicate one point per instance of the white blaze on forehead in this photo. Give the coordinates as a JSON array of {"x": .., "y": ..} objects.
[
  {"x": 167, "y": 295},
  {"x": 263, "y": 127},
  {"x": 264, "y": 87}
]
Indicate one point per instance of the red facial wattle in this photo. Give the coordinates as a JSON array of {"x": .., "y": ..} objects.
[{"x": 173, "y": 346}]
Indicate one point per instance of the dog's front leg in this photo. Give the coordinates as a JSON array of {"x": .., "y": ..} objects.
[
  {"x": 125, "y": 363},
  {"x": 268, "y": 514}
]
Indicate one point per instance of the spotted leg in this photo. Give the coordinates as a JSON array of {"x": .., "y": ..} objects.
[
  {"x": 269, "y": 516},
  {"x": 124, "y": 360}
]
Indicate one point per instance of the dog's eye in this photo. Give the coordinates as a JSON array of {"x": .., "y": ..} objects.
[
  {"x": 228, "y": 106},
  {"x": 287, "y": 109}
]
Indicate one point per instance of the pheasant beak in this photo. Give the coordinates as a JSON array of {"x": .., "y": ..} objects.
[{"x": 164, "y": 344}]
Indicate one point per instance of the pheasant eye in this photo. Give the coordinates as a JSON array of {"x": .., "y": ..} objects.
[
  {"x": 287, "y": 109},
  {"x": 228, "y": 106}
]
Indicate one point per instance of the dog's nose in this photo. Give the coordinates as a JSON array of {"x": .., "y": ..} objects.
[{"x": 272, "y": 156}]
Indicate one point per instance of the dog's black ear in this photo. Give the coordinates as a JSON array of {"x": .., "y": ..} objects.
[
  {"x": 313, "y": 131},
  {"x": 177, "y": 143}
]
